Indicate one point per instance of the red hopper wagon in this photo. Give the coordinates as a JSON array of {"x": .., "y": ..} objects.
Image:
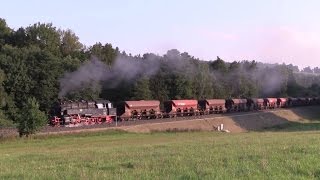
[
  {"x": 282, "y": 102},
  {"x": 175, "y": 108},
  {"x": 255, "y": 104},
  {"x": 130, "y": 110},
  {"x": 270, "y": 103},
  {"x": 236, "y": 104},
  {"x": 210, "y": 106}
]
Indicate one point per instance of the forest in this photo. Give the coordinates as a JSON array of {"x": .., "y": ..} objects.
[{"x": 41, "y": 64}]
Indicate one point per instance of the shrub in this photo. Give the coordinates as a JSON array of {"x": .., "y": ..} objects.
[{"x": 31, "y": 119}]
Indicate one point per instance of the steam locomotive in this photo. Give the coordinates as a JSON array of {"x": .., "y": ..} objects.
[
  {"x": 84, "y": 112},
  {"x": 102, "y": 111}
]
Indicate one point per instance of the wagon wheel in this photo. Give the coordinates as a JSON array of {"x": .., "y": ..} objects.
[
  {"x": 152, "y": 114},
  {"x": 108, "y": 119},
  {"x": 190, "y": 112},
  {"x": 78, "y": 120},
  {"x": 93, "y": 120},
  {"x": 74, "y": 121},
  {"x": 99, "y": 120},
  {"x": 86, "y": 121},
  {"x": 179, "y": 112},
  {"x": 209, "y": 111},
  {"x": 89, "y": 121}
]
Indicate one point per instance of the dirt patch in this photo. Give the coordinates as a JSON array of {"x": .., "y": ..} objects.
[{"x": 234, "y": 122}]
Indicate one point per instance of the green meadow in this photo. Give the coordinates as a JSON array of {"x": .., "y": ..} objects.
[{"x": 274, "y": 154}]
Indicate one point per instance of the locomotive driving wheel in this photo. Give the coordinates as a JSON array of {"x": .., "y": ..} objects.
[{"x": 99, "y": 120}]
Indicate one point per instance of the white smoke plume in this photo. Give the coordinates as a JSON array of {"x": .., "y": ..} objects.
[
  {"x": 124, "y": 68},
  {"x": 129, "y": 69},
  {"x": 91, "y": 71}
]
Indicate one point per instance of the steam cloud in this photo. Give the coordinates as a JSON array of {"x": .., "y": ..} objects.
[
  {"x": 95, "y": 70},
  {"x": 92, "y": 70},
  {"x": 267, "y": 79},
  {"x": 129, "y": 69}
]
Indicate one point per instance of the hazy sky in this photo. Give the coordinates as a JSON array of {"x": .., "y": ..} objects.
[{"x": 265, "y": 30}]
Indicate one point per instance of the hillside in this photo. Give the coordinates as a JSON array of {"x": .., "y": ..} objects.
[{"x": 238, "y": 122}]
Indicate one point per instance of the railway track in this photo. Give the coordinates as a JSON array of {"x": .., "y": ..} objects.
[{"x": 4, "y": 132}]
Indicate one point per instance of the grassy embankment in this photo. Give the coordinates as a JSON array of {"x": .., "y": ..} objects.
[{"x": 184, "y": 155}]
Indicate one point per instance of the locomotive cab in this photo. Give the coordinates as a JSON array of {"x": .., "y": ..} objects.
[{"x": 105, "y": 104}]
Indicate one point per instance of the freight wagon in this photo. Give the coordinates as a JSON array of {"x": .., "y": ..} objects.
[{"x": 145, "y": 109}]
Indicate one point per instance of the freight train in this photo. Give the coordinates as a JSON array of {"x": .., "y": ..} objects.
[{"x": 102, "y": 111}]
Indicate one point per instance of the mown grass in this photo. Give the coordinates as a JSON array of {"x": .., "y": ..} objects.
[{"x": 183, "y": 155}]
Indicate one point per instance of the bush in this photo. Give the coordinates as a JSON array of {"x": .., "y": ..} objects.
[
  {"x": 6, "y": 123},
  {"x": 31, "y": 119}
]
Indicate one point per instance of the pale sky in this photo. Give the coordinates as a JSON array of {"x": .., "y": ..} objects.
[{"x": 273, "y": 31}]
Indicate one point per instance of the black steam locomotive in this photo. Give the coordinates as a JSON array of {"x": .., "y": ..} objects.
[{"x": 84, "y": 112}]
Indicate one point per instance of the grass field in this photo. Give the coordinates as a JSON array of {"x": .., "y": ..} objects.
[{"x": 183, "y": 155}]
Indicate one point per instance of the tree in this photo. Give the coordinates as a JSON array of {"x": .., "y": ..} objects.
[
  {"x": 19, "y": 38},
  {"x": 234, "y": 66},
  {"x": 45, "y": 36},
  {"x": 159, "y": 87},
  {"x": 105, "y": 53},
  {"x": 307, "y": 70},
  {"x": 70, "y": 43},
  {"x": 4, "y": 32},
  {"x": 316, "y": 70},
  {"x": 32, "y": 72},
  {"x": 31, "y": 118},
  {"x": 3, "y": 102},
  {"x": 141, "y": 90},
  {"x": 219, "y": 65},
  {"x": 202, "y": 82},
  {"x": 293, "y": 68},
  {"x": 45, "y": 69},
  {"x": 172, "y": 54},
  {"x": 18, "y": 83},
  {"x": 180, "y": 86}
]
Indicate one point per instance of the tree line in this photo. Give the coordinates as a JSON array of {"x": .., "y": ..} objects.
[{"x": 34, "y": 59}]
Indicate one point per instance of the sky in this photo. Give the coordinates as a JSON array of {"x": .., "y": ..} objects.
[{"x": 271, "y": 31}]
